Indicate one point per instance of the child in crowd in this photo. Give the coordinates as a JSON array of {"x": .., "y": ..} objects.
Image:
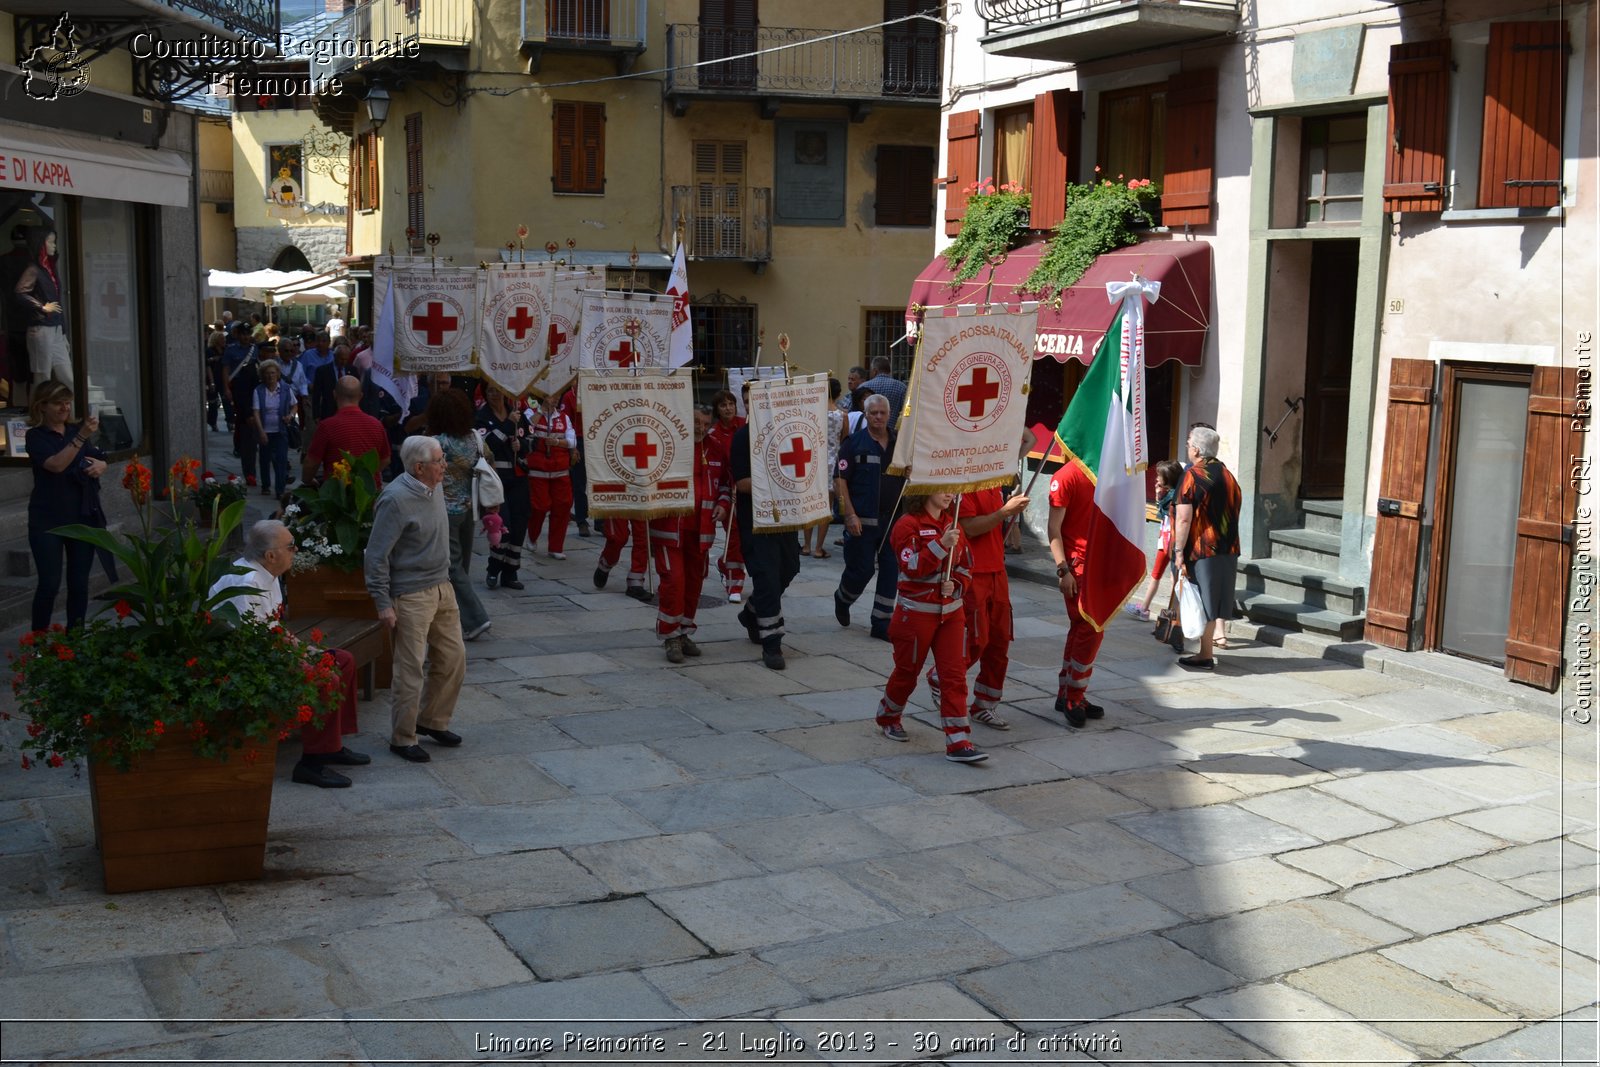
[{"x": 1168, "y": 471}]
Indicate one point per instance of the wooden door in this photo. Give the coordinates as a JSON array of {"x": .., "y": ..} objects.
[
  {"x": 1397, "y": 539},
  {"x": 1330, "y": 337},
  {"x": 1543, "y": 562},
  {"x": 728, "y": 28},
  {"x": 911, "y": 49},
  {"x": 719, "y": 198}
]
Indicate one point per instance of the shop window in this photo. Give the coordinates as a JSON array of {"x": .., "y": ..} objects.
[
  {"x": 905, "y": 186},
  {"x": 111, "y": 368},
  {"x": 1333, "y": 154},
  {"x": 580, "y": 147}
]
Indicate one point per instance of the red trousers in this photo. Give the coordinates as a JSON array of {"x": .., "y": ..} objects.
[
  {"x": 988, "y": 600},
  {"x": 912, "y": 635},
  {"x": 324, "y": 739},
  {"x": 553, "y": 497},
  {"x": 681, "y": 563},
  {"x": 618, "y": 531},
  {"x": 731, "y": 565},
  {"x": 1083, "y": 645}
]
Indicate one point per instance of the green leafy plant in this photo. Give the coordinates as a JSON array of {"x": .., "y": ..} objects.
[
  {"x": 1101, "y": 216},
  {"x": 212, "y": 494},
  {"x": 332, "y": 521},
  {"x": 995, "y": 220},
  {"x": 171, "y": 656}
]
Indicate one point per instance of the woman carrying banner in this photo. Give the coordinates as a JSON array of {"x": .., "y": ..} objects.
[
  {"x": 505, "y": 435},
  {"x": 550, "y": 459},
  {"x": 680, "y": 545},
  {"x": 718, "y": 441},
  {"x": 935, "y": 568}
]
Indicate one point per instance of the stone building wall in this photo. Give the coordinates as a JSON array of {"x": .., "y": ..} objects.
[{"x": 260, "y": 245}]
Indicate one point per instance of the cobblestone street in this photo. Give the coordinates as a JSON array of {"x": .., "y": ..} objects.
[{"x": 1289, "y": 860}]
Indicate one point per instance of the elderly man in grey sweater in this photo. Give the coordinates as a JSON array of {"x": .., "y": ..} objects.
[{"x": 408, "y": 575}]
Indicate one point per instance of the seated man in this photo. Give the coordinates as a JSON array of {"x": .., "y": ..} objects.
[{"x": 268, "y": 553}]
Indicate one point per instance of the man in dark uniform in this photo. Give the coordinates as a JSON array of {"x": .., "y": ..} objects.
[
  {"x": 771, "y": 559},
  {"x": 867, "y": 499}
]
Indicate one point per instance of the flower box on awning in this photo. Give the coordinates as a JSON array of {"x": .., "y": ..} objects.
[{"x": 1175, "y": 325}]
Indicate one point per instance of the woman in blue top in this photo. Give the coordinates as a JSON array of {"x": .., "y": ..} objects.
[
  {"x": 271, "y": 409},
  {"x": 66, "y": 490}
]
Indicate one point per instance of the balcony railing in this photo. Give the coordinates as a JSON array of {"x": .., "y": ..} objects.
[
  {"x": 787, "y": 61},
  {"x": 592, "y": 23},
  {"x": 384, "y": 30},
  {"x": 253, "y": 18},
  {"x": 724, "y": 222},
  {"x": 1080, "y": 30}
]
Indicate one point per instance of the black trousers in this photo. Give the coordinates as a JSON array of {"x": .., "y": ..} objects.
[
  {"x": 872, "y": 550},
  {"x": 47, "y": 552},
  {"x": 580, "y": 488},
  {"x": 771, "y": 560},
  {"x": 506, "y": 559}
]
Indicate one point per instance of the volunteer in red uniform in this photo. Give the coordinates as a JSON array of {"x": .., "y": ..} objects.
[
  {"x": 982, "y": 515},
  {"x": 680, "y": 545},
  {"x": 928, "y": 616},
  {"x": 1071, "y": 505},
  {"x": 731, "y": 566},
  {"x": 580, "y": 473},
  {"x": 619, "y": 531},
  {"x": 550, "y": 458}
]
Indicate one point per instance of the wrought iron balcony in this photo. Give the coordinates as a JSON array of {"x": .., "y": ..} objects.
[
  {"x": 728, "y": 222},
  {"x": 413, "y": 36},
  {"x": 1076, "y": 31},
  {"x": 252, "y": 18},
  {"x": 585, "y": 27},
  {"x": 773, "y": 62}
]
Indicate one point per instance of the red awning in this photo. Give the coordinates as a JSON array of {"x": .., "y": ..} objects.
[{"x": 1175, "y": 325}]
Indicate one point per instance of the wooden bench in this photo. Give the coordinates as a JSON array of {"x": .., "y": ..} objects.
[{"x": 365, "y": 639}]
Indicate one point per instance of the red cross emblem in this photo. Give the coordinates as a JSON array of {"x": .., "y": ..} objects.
[
  {"x": 633, "y": 327},
  {"x": 796, "y": 458},
  {"x": 640, "y": 450},
  {"x": 623, "y": 355},
  {"x": 435, "y": 324},
  {"x": 977, "y": 393},
  {"x": 520, "y": 321},
  {"x": 557, "y": 338},
  {"x": 112, "y": 300}
]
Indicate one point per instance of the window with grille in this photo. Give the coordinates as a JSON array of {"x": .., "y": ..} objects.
[
  {"x": 364, "y": 171},
  {"x": 1333, "y": 155},
  {"x": 905, "y": 185},
  {"x": 416, "y": 222},
  {"x": 580, "y": 147},
  {"x": 578, "y": 20},
  {"x": 719, "y": 170},
  {"x": 724, "y": 336},
  {"x": 884, "y": 331}
]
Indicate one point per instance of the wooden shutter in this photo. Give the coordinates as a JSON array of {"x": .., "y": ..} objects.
[
  {"x": 961, "y": 168},
  {"x": 1522, "y": 91},
  {"x": 905, "y": 185},
  {"x": 580, "y": 148},
  {"x": 1191, "y": 148},
  {"x": 1542, "y": 564},
  {"x": 1419, "y": 115},
  {"x": 416, "y": 221},
  {"x": 1397, "y": 540},
  {"x": 1056, "y": 124}
]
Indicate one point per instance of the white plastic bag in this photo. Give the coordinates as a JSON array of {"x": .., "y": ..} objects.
[{"x": 1190, "y": 610}]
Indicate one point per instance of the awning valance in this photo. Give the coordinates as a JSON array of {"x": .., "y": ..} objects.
[
  {"x": 50, "y": 162},
  {"x": 1175, "y": 326}
]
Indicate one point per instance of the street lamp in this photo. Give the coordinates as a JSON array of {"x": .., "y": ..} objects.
[{"x": 377, "y": 105}]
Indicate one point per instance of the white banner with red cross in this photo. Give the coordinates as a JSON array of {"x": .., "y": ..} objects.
[
  {"x": 436, "y": 318},
  {"x": 789, "y": 472},
  {"x": 621, "y": 331},
  {"x": 638, "y": 442},
  {"x": 561, "y": 335},
  {"x": 513, "y": 345},
  {"x": 968, "y": 400}
]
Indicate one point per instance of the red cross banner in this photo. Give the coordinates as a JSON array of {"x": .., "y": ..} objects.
[
  {"x": 621, "y": 331},
  {"x": 737, "y": 376},
  {"x": 561, "y": 334},
  {"x": 638, "y": 442},
  {"x": 436, "y": 318},
  {"x": 789, "y": 471},
  {"x": 513, "y": 332},
  {"x": 967, "y": 400}
]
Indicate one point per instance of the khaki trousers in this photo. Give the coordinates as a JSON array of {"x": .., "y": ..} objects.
[{"x": 427, "y": 631}]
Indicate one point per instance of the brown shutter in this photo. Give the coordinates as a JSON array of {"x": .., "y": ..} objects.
[
  {"x": 905, "y": 185},
  {"x": 1542, "y": 564},
  {"x": 1392, "y": 588},
  {"x": 1191, "y": 148},
  {"x": 961, "y": 168},
  {"x": 1056, "y": 122},
  {"x": 1419, "y": 113},
  {"x": 1522, "y": 90},
  {"x": 416, "y": 221},
  {"x": 564, "y": 173},
  {"x": 374, "y": 185},
  {"x": 592, "y": 146}
]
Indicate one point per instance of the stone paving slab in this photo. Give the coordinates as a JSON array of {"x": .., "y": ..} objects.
[
  {"x": 1402, "y": 796},
  {"x": 724, "y": 986},
  {"x": 605, "y": 935},
  {"x": 1439, "y": 900},
  {"x": 1316, "y": 813},
  {"x": 1426, "y": 844},
  {"x": 623, "y": 725},
  {"x": 515, "y": 880},
  {"x": 1098, "y": 751},
  {"x": 1259, "y": 773},
  {"x": 182, "y": 920},
  {"x": 1505, "y": 967},
  {"x": 1051, "y": 804},
  {"x": 893, "y": 1018},
  {"x": 1069, "y": 920},
  {"x": 325, "y": 907},
  {"x": 550, "y": 824},
  {"x": 1342, "y": 865},
  {"x": 1225, "y": 888},
  {"x": 940, "y": 821},
  {"x": 754, "y": 912},
  {"x": 731, "y": 755},
  {"x": 847, "y": 787},
  {"x": 932, "y": 775},
  {"x": 611, "y": 768},
  {"x": 1085, "y": 854},
  {"x": 807, "y": 841},
  {"x": 704, "y": 805},
  {"x": 489, "y": 780},
  {"x": 939, "y": 880},
  {"x": 58, "y": 997},
  {"x": 285, "y": 979},
  {"x": 1565, "y": 1041},
  {"x": 428, "y": 958},
  {"x": 1297, "y": 1027},
  {"x": 1571, "y": 924},
  {"x": 1285, "y": 937},
  {"x": 1215, "y": 834},
  {"x": 895, "y": 954},
  {"x": 647, "y": 863}
]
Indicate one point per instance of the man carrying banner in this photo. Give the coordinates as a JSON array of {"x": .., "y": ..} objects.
[
  {"x": 1071, "y": 508},
  {"x": 680, "y": 546},
  {"x": 867, "y": 499},
  {"x": 772, "y": 559},
  {"x": 549, "y": 463}
]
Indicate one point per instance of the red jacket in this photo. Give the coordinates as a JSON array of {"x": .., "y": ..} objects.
[
  {"x": 923, "y": 561},
  {"x": 672, "y": 528},
  {"x": 550, "y": 455},
  {"x": 718, "y": 438}
]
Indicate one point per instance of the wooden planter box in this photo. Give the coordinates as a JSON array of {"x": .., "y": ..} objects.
[
  {"x": 323, "y": 593},
  {"x": 174, "y": 819}
]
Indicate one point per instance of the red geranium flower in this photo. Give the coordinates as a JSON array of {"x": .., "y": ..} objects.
[{"x": 123, "y": 609}]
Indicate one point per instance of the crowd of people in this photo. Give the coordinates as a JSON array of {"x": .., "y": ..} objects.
[{"x": 935, "y": 560}]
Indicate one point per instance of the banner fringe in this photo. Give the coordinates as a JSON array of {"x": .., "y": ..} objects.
[
  {"x": 924, "y": 488},
  {"x": 601, "y": 511},
  {"x": 791, "y": 528}
]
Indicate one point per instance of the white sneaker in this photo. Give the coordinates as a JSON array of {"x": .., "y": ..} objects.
[
  {"x": 734, "y": 598},
  {"x": 477, "y": 631},
  {"x": 558, "y": 555}
]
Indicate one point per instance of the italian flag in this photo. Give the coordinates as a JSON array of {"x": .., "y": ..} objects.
[{"x": 1103, "y": 432}]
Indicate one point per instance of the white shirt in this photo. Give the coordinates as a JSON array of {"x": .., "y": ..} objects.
[
  {"x": 259, "y": 592},
  {"x": 335, "y": 328}
]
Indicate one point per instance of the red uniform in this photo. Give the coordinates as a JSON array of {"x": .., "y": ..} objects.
[
  {"x": 731, "y": 565},
  {"x": 549, "y": 466},
  {"x": 988, "y": 604},
  {"x": 618, "y": 532},
  {"x": 680, "y": 545},
  {"x": 1071, "y": 489},
  {"x": 926, "y": 620}
]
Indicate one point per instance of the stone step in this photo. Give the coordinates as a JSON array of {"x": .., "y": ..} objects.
[
  {"x": 1316, "y": 550},
  {"x": 1297, "y": 582},
  {"x": 1322, "y": 516},
  {"x": 1292, "y": 615}
]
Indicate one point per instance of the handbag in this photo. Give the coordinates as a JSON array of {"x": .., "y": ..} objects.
[
  {"x": 1191, "y": 612},
  {"x": 486, "y": 484}
]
